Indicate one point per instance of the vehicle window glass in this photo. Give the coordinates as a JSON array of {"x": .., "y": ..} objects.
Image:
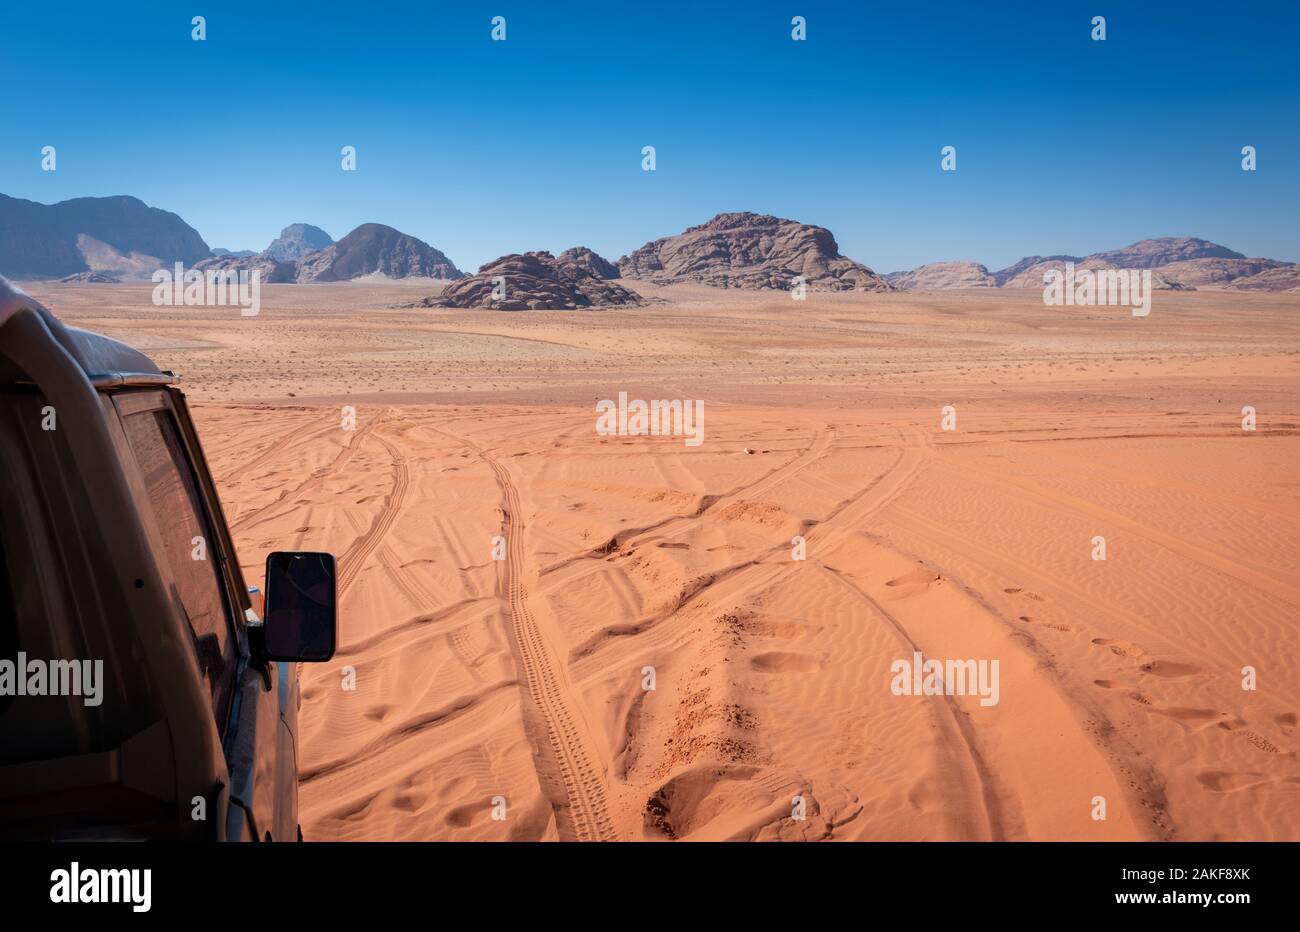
[
  {"x": 189, "y": 545},
  {"x": 60, "y": 601}
]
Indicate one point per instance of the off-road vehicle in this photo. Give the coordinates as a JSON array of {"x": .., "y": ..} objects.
[{"x": 141, "y": 695}]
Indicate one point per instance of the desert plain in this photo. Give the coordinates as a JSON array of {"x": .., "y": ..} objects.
[{"x": 513, "y": 582}]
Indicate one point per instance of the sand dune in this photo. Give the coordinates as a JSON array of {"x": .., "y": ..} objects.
[{"x": 485, "y": 683}]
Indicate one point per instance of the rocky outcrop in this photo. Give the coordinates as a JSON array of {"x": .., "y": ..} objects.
[
  {"x": 1033, "y": 276},
  {"x": 1002, "y": 276},
  {"x": 1161, "y": 251},
  {"x": 746, "y": 250},
  {"x": 534, "y": 281},
  {"x": 92, "y": 278},
  {"x": 41, "y": 240},
  {"x": 1216, "y": 274},
  {"x": 296, "y": 241},
  {"x": 943, "y": 276},
  {"x": 589, "y": 260},
  {"x": 375, "y": 249},
  {"x": 1169, "y": 254},
  {"x": 1283, "y": 278},
  {"x": 272, "y": 272}
]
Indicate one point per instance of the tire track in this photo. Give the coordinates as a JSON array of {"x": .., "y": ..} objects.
[
  {"x": 956, "y": 727},
  {"x": 674, "y": 525},
  {"x": 355, "y": 556},
  {"x": 738, "y": 580},
  {"x": 588, "y": 816},
  {"x": 341, "y": 460},
  {"x": 276, "y": 447}
]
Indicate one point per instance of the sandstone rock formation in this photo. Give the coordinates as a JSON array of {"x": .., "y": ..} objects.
[
  {"x": 1032, "y": 277},
  {"x": 534, "y": 281},
  {"x": 1215, "y": 274},
  {"x": 91, "y": 278},
  {"x": 273, "y": 272},
  {"x": 589, "y": 260},
  {"x": 375, "y": 249},
  {"x": 1002, "y": 276},
  {"x": 1283, "y": 278},
  {"x": 747, "y": 250},
  {"x": 296, "y": 241},
  {"x": 943, "y": 276},
  {"x": 1161, "y": 251}
]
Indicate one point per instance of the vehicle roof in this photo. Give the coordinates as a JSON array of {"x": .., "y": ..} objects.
[{"x": 105, "y": 361}]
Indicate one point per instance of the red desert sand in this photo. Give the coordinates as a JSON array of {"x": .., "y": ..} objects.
[{"x": 508, "y": 698}]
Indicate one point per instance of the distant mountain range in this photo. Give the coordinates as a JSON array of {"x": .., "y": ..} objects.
[
  {"x": 123, "y": 233},
  {"x": 1180, "y": 263},
  {"x": 304, "y": 253},
  {"x": 102, "y": 239},
  {"x": 106, "y": 239}
]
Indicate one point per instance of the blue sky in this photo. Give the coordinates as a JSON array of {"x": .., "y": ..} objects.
[{"x": 483, "y": 148}]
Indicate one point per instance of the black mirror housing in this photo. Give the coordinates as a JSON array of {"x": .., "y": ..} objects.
[{"x": 300, "y": 622}]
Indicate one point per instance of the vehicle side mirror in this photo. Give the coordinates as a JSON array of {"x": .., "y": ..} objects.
[{"x": 300, "y": 622}]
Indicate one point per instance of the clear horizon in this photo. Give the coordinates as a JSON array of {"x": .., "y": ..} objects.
[{"x": 482, "y": 148}]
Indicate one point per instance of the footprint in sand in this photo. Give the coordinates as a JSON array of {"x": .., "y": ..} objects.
[
  {"x": 1168, "y": 668},
  {"x": 1261, "y": 742},
  {"x": 1185, "y": 714},
  {"x": 1223, "y": 781},
  {"x": 1207, "y": 718},
  {"x": 1286, "y": 721},
  {"x": 1054, "y": 625},
  {"x": 1237, "y": 725},
  {"x": 1120, "y": 648},
  {"x": 784, "y": 662},
  {"x": 464, "y": 816},
  {"x": 1028, "y": 595},
  {"x": 912, "y": 583}
]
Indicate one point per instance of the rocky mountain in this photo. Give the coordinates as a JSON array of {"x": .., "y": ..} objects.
[
  {"x": 1214, "y": 274},
  {"x": 42, "y": 240},
  {"x": 1282, "y": 278},
  {"x": 1160, "y": 251},
  {"x": 589, "y": 260},
  {"x": 1032, "y": 276},
  {"x": 232, "y": 253},
  {"x": 1207, "y": 266},
  {"x": 942, "y": 276},
  {"x": 1002, "y": 276},
  {"x": 535, "y": 281},
  {"x": 296, "y": 241},
  {"x": 375, "y": 249},
  {"x": 747, "y": 250},
  {"x": 272, "y": 272}
]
